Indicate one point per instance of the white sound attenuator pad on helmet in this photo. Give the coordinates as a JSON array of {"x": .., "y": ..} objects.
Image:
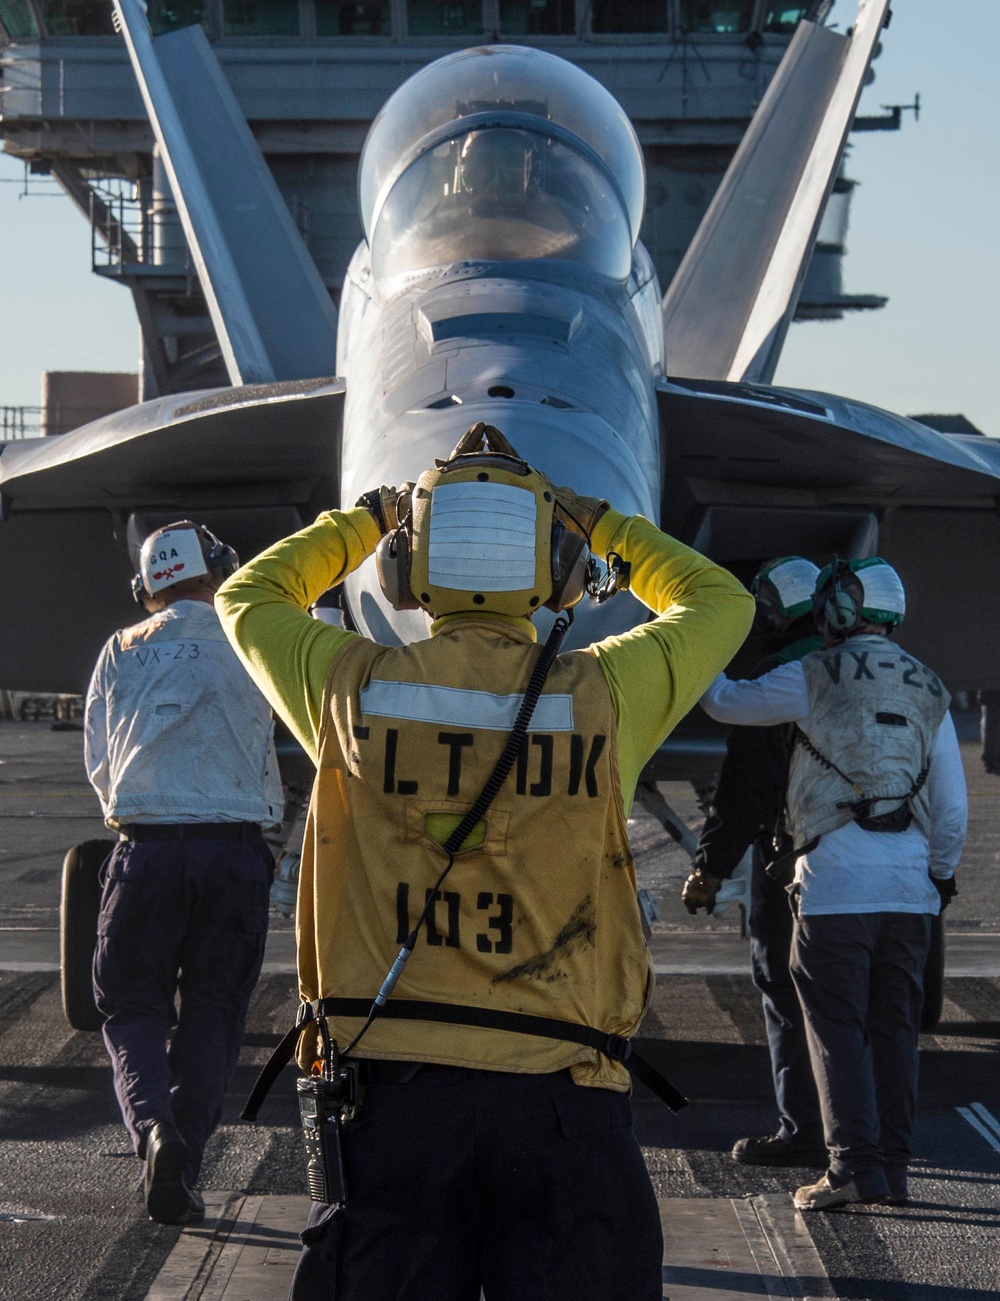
[{"x": 482, "y": 537}]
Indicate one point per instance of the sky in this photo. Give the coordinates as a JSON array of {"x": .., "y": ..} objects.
[
  {"x": 922, "y": 232},
  {"x": 922, "y": 229}
]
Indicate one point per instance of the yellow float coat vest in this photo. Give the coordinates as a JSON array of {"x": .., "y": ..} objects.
[{"x": 540, "y": 917}]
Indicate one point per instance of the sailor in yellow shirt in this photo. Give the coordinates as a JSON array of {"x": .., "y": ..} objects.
[{"x": 494, "y": 1147}]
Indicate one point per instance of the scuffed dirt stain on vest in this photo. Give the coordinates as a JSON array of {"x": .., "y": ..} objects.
[{"x": 577, "y": 933}]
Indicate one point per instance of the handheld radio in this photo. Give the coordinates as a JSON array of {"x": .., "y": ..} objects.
[{"x": 326, "y": 1103}]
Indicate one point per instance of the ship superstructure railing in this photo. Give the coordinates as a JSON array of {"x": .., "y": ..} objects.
[
  {"x": 130, "y": 236},
  {"x": 20, "y": 422},
  {"x": 135, "y": 234}
]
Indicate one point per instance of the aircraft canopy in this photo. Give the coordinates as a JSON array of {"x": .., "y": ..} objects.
[
  {"x": 501, "y": 194},
  {"x": 505, "y": 86}
]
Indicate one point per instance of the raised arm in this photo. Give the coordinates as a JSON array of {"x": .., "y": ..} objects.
[
  {"x": 778, "y": 697},
  {"x": 264, "y": 610},
  {"x": 658, "y": 670}
]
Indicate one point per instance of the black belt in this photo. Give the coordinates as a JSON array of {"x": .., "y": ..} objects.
[
  {"x": 617, "y": 1047},
  {"x": 192, "y": 831}
]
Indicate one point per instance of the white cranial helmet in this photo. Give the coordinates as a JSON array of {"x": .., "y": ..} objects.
[{"x": 178, "y": 552}]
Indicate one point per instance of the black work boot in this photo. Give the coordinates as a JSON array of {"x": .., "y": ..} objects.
[
  {"x": 775, "y": 1150},
  {"x": 168, "y": 1198}
]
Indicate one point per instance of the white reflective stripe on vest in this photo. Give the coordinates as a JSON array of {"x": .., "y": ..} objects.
[{"x": 453, "y": 707}]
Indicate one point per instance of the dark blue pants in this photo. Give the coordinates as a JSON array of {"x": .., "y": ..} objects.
[
  {"x": 526, "y": 1186},
  {"x": 860, "y": 979},
  {"x": 187, "y": 917},
  {"x": 771, "y": 922}
]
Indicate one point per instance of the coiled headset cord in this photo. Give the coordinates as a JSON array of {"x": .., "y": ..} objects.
[{"x": 486, "y": 796}]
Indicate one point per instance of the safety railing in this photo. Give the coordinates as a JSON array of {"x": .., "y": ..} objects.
[
  {"x": 20, "y": 422},
  {"x": 127, "y": 238},
  {"x": 131, "y": 236}
]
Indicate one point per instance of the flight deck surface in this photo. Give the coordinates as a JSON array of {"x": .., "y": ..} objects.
[
  {"x": 714, "y": 1250},
  {"x": 72, "y": 1221}
]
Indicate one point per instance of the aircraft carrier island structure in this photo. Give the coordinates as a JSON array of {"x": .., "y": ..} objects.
[{"x": 310, "y": 76}]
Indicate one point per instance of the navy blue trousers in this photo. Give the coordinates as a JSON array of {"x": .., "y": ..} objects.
[
  {"x": 771, "y": 923},
  {"x": 185, "y": 917},
  {"x": 526, "y": 1186},
  {"x": 860, "y": 979}
]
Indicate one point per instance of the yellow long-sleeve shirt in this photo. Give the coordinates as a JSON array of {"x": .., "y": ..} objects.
[
  {"x": 655, "y": 672},
  {"x": 569, "y": 944}
]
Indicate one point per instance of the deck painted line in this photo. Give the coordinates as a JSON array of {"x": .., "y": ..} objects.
[
  {"x": 987, "y": 1117},
  {"x": 193, "y": 1258},
  {"x": 787, "y": 1235},
  {"x": 980, "y": 1126}
]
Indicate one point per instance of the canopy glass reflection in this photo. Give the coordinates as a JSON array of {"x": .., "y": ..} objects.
[{"x": 499, "y": 195}]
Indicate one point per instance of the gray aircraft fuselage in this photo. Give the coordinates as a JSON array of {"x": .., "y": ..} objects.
[{"x": 558, "y": 363}]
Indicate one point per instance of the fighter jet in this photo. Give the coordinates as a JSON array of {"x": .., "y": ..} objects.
[{"x": 502, "y": 279}]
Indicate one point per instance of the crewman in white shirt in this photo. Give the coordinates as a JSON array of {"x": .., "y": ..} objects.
[
  {"x": 179, "y": 747},
  {"x": 877, "y": 811}
]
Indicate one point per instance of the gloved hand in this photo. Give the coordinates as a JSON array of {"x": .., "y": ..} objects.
[
  {"x": 579, "y": 514},
  {"x": 700, "y": 890},
  {"x": 947, "y": 888},
  {"x": 384, "y": 505}
]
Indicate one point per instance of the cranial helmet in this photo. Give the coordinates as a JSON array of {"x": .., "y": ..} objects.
[
  {"x": 177, "y": 553},
  {"x": 783, "y": 591},
  {"x": 499, "y": 163},
  {"x": 481, "y": 536},
  {"x": 852, "y": 592}
]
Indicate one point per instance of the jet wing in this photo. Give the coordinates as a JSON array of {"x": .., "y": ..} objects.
[
  {"x": 253, "y": 464},
  {"x": 732, "y": 298},
  {"x": 752, "y": 472},
  {"x": 272, "y": 313}
]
